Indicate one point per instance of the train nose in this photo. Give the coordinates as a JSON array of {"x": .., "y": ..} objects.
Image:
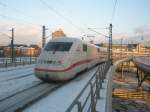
[
  {"x": 52, "y": 58},
  {"x": 48, "y": 74}
]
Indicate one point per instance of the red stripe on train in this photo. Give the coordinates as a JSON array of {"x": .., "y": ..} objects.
[{"x": 64, "y": 70}]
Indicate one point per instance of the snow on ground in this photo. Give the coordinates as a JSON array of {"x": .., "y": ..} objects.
[
  {"x": 15, "y": 73},
  {"x": 60, "y": 100},
  {"x": 105, "y": 101},
  {"x": 57, "y": 101},
  {"x": 12, "y": 86},
  {"x": 15, "y": 68}
]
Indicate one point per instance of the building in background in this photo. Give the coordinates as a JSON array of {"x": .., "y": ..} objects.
[
  {"x": 58, "y": 34},
  {"x": 2, "y": 51},
  {"x": 20, "y": 50},
  {"x": 135, "y": 48}
]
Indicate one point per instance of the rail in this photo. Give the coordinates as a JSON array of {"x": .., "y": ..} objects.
[
  {"x": 87, "y": 98},
  {"x": 6, "y": 62},
  {"x": 132, "y": 95},
  {"x": 20, "y": 100}
]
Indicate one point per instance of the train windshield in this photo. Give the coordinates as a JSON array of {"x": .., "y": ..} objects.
[{"x": 58, "y": 46}]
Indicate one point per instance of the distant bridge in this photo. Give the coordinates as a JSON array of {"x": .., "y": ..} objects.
[{"x": 143, "y": 69}]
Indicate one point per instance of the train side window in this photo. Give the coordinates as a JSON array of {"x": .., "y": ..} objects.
[
  {"x": 84, "y": 47},
  {"x": 98, "y": 50}
]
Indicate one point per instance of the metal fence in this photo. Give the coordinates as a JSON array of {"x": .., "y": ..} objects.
[
  {"x": 7, "y": 62},
  {"x": 87, "y": 98}
]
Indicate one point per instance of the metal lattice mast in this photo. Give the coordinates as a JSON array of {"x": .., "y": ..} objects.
[
  {"x": 110, "y": 43},
  {"x": 43, "y": 36},
  {"x": 12, "y": 45}
]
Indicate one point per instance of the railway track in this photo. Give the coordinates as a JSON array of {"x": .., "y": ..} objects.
[
  {"x": 132, "y": 95},
  {"x": 22, "y": 99},
  {"x": 17, "y": 77},
  {"x": 12, "y": 69}
]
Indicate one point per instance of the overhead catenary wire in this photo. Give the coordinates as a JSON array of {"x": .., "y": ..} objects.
[
  {"x": 19, "y": 12},
  {"x": 84, "y": 26},
  {"x": 2, "y": 4},
  {"x": 4, "y": 34},
  {"x": 62, "y": 16},
  {"x": 98, "y": 33},
  {"x": 14, "y": 9},
  {"x": 20, "y": 20},
  {"x": 114, "y": 11}
]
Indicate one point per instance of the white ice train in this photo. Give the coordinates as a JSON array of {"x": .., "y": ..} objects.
[{"x": 63, "y": 58}]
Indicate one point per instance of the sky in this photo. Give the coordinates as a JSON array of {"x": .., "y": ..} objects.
[{"x": 74, "y": 17}]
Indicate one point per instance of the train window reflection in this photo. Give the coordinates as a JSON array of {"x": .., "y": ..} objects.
[
  {"x": 84, "y": 47},
  {"x": 58, "y": 46}
]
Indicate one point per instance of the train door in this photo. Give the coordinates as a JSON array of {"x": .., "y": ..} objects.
[
  {"x": 78, "y": 53},
  {"x": 90, "y": 53},
  {"x": 76, "y": 58},
  {"x": 84, "y": 55}
]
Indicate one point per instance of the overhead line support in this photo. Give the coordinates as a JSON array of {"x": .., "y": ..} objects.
[
  {"x": 12, "y": 45},
  {"x": 43, "y": 36},
  {"x": 110, "y": 44}
]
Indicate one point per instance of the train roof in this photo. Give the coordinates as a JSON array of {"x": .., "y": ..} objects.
[
  {"x": 65, "y": 39},
  {"x": 73, "y": 39}
]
